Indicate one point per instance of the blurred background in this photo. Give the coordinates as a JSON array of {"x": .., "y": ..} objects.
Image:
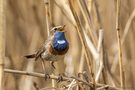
[{"x": 27, "y": 25}]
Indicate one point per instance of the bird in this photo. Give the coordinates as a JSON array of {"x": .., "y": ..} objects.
[{"x": 54, "y": 47}]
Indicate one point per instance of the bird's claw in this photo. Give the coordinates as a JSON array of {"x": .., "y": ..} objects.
[
  {"x": 47, "y": 76},
  {"x": 83, "y": 75},
  {"x": 60, "y": 78}
]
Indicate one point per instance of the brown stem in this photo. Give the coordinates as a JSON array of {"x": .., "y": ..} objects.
[
  {"x": 122, "y": 81},
  {"x": 65, "y": 78},
  {"x": 2, "y": 41}
]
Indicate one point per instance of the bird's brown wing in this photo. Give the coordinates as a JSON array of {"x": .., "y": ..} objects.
[
  {"x": 37, "y": 54},
  {"x": 41, "y": 49},
  {"x": 30, "y": 56}
]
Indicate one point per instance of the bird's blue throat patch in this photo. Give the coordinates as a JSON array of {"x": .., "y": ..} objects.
[{"x": 59, "y": 42}]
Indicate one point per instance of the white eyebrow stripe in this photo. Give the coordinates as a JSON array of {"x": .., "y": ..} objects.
[{"x": 61, "y": 41}]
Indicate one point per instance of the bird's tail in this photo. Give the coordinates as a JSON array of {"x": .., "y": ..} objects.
[{"x": 31, "y": 56}]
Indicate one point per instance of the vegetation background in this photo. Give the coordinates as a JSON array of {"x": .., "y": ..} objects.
[{"x": 27, "y": 23}]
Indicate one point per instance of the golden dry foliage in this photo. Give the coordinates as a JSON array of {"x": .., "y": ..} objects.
[{"x": 91, "y": 30}]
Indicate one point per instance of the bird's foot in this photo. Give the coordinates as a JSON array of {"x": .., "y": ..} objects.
[
  {"x": 60, "y": 78},
  {"x": 47, "y": 76},
  {"x": 52, "y": 63},
  {"x": 35, "y": 85},
  {"x": 83, "y": 75}
]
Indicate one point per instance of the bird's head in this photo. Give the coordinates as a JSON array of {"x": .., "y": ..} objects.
[{"x": 59, "y": 28}]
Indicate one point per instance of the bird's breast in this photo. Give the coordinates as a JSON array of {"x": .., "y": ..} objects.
[{"x": 59, "y": 47}]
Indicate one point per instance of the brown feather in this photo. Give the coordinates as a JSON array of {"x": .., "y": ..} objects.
[
  {"x": 39, "y": 52},
  {"x": 37, "y": 55},
  {"x": 30, "y": 56}
]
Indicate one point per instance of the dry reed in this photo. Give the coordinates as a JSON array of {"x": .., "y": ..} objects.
[
  {"x": 122, "y": 78},
  {"x": 2, "y": 41}
]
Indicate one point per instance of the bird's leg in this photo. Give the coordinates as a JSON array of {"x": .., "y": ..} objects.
[
  {"x": 35, "y": 85},
  {"x": 43, "y": 65},
  {"x": 52, "y": 63},
  {"x": 60, "y": 78},
  {"x": 84, "y": 75},
  {"x": 47, "y": 76}
]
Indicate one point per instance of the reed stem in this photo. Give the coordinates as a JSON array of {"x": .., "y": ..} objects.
[
  {"x": 2, "y": 41},
  {"x": 119, "y": 46}
]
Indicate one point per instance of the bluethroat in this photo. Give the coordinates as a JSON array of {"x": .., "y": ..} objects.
[{"x": 54, "y": 47}]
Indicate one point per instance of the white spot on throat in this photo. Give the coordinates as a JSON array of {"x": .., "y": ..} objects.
[{"x": 61, "y": 41}]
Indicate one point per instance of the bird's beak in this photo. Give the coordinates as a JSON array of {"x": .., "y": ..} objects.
[
  {"x": 62, "y": 28},
  {"x": 59, "y": 28}
]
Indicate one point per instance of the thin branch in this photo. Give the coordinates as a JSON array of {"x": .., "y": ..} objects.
[
  {"x": 81, "y": 66},
  {"x": 99, "y": 59},
  {"x": 70, "y": 86},
  {"x": 55, "y": 77},
  {"x": 2, "y": 41},
  {"x": 100, "y": 40},
  {"x": 49, "y": 88},
  {"x": 102, "y": 88},
  {"x": 91, "y": 46},
  {"x": 97, "y": 14},
  {"x": 41, "y": 75},
  {"x": 132, "y": 16},
  {"x": 48, "y": 16},
  {"x": 122, "y": 81}
]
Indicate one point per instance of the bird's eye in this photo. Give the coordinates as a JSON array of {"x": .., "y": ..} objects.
[{"x": 55, "y": 29}]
